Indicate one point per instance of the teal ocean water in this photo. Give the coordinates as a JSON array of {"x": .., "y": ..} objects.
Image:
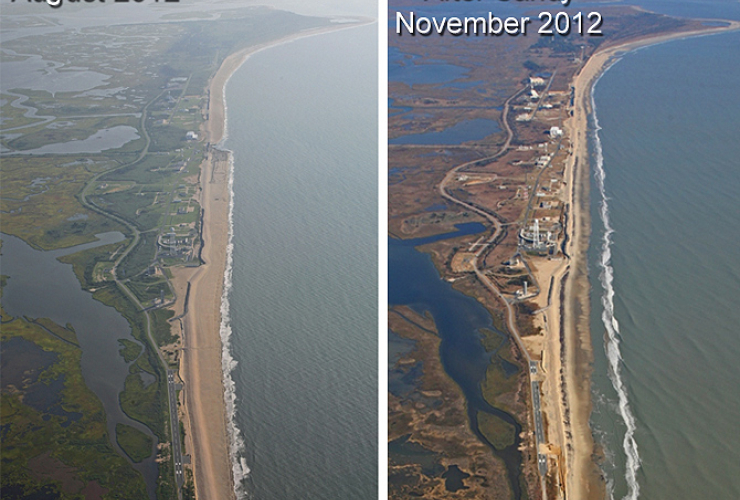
[
  {"x": 665, "y": 270},
  {"x": 302, "y": 359}
]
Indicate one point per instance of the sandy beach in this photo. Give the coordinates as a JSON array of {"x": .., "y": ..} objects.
[
  {"x": 205, "y": 417},
  {"x": 204, "y": 410},
  {"x": 569, "y": 351}
]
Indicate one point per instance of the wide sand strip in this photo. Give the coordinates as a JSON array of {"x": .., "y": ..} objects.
[
  {"x": 205, "y": 416},
  {"x": 573, "y": 401}
]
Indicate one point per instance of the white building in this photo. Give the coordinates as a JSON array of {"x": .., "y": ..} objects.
[{"x": 535, "y": 81}]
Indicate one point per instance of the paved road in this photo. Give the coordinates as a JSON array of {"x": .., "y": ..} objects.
[
  {"x": 175, "y": 426},
  {"x": 538, "y": 429},
  {"x": 511, "y": 323},
  {"x": 542, "y": 464},
  {"x": 171, "y": 386}
]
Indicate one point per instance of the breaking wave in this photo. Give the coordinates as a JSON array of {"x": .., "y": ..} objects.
[
  {"x": 239, "y": 467},
  {"x": 611, "y": 346}
]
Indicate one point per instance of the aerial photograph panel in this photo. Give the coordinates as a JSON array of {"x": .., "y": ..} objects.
[
  {"x": 561, "y": 271},
  {"x": 188, "y": 259}
]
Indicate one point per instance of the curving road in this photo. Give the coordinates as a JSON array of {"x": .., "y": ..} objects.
[
  {"x": 510, "y": 316},
  {"x": 171, "y": 387}
]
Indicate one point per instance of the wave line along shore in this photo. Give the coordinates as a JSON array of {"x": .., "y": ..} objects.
[
  {"x": 211, "y": 435},
  {"x": 582, "y": 478}
]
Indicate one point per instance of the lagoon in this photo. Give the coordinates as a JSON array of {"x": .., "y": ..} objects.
[{"x": 40, "y": 286}]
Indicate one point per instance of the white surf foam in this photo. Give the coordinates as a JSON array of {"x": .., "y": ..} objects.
[
  {"x": 239, "y": 467},
  {"x": 613, "y": 353}
]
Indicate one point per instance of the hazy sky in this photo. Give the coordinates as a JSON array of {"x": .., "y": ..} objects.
[
  {"x": 367, "y": 8},
  {"x": 148, "y": 10}
]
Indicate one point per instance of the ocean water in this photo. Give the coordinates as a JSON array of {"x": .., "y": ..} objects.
[
  {"x": 302, "y": 125},
  {"x": 665, "y": 270}
]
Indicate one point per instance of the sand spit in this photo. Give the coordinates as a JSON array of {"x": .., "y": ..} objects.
[
  {"x": 569, "y": 354},
  {"x": 205, "y": 419}
]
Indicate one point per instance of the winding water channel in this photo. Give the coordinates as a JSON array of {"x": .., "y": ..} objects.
[
  {"x": 413, "y": 281},
  {"x": 40, "y": 286}
]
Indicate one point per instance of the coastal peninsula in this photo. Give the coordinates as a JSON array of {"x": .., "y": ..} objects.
[
  {"x": 526, "y": 184},
  {"x": 106, "y": 167},
  {"x": 209, "y": 425}
]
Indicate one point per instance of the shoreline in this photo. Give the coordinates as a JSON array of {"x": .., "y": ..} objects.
[
  {"x": 211, "y": 438},
  {"x": 569, "y": 350}
]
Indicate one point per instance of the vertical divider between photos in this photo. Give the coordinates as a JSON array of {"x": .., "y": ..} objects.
[{"x": 382, "y": 249}]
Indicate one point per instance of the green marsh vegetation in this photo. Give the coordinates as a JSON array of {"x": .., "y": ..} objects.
[
  {"x": 62, "y": 446},
  {"x": 149, "y": 187},
  {"x": 129, "y": 350},
  {"x": 136, "y": 444},
  {"x": 502, "y": 375}
]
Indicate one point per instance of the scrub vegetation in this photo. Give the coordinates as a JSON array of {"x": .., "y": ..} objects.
[
  {"x": 54, "y": 437},
  {"x": 153, "y": 77}
]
